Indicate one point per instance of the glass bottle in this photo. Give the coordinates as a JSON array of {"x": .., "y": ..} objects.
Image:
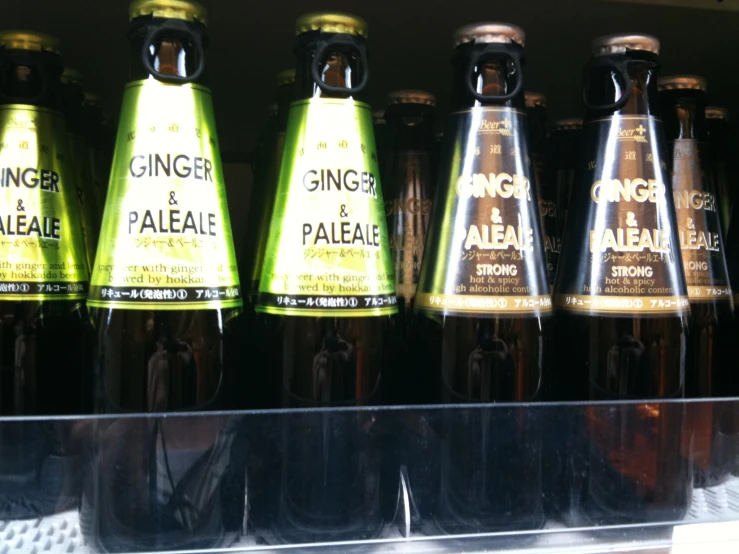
[{"x": 620, "y": 298}]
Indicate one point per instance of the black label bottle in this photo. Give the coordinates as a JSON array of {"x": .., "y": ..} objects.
[
  {"x": 723, "y": 164},
  {"x": 536, "y": 110},
  {"x": 326, "y": 293},
  {"x": 620, "y": 296},
  {"x": 483, "y": 298},
  {"x": 408, "y": 182},
  {"x": 45, "y": 332},
  {"x": 73, "y": 96},
  {"x": 561, "y": 162},
  {"x": 709, "y": 366},
  {"x": 166, "y": 298}
]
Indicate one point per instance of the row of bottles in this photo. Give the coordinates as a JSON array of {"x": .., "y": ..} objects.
[{"x": 484, "y": 269}]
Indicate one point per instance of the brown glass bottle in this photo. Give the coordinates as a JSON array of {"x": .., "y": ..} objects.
[
  {"x": 561, "y": 161},
  {"x": 617, "y": 338},
  {"x": 709, "y": 364},
  {"x": 324, "y": 355},
  {"x": 45, "y": 331},
  {"x": 73, "y": 99},
  {"x": 156, "y": 483},
  {"x": 482, "y": 302},
  {"x": 723, "y": 165},
  {"x": 536, "y": 110},
  {"x": 408, "y": 182}
]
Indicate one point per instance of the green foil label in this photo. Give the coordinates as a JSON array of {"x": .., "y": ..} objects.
[
  {"x": 328, "y": 251},
  {"x": 166, "y": 240},
  {"x": 42, "y": 253},
  {"x": 485, "y": 253}
]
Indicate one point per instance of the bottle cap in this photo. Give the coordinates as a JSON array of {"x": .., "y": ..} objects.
[
  {"x": 29, "y": 40},
  {"x": 186, "y": 10},
  {"x": 618, "y": 44},
  {"x": 682, "y": 82},
  {"x": 71, "y": 76},
  {"x": 285, "y": 77},
  {"x": 331, "y": 22},
  {"x": 411, "y": 97},
  {"x": 378, "y": 117},
  {"x": 568, "y": 124},
  {"x": 534, "y": 99},
  {"x": 717, "y": 112},
  {"x": 503, "y": 33}
]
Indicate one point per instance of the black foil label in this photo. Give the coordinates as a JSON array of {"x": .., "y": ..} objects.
[
  {"x": 699, "y": 225},
  {"x": 621, "y": 252},
  {"x": 485, "y": 253}
]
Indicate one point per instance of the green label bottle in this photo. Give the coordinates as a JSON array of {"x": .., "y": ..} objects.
[
  {"x": 326, "y": 293},
  {"x": 45, "y": 329},
  {"x": 167, "y": 301}
]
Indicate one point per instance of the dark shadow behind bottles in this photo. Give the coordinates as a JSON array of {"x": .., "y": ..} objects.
[
  {"x": 723, "y": 161},
  {"x": 482, "y": 336},
  {"x": 45, "y": 332},
  {"x": 165, "y": 483},
  {"x": 563, "y": 148},
  {"x": 618, "y": 338},
  {"x": 698, "y": 208}
]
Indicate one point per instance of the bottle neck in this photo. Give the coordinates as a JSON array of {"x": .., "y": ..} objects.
[
  {"x": 30, "y": 77},
  {"x": 718, "y": 131},
  {"x": 684, "y": 114},
  {"x": 537, "y": 117},
  {"x": 73, "y": 97},
  {"x": 628, "y": 80},
  {"x": 166, "y": 48},
  {"x": 411, "y": 126},
  {"x": 491, "y": 74},
  {"x": 340, "y": 62}
]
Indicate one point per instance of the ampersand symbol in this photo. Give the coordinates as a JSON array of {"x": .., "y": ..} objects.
[
  {"x": 343, "y": 212},
  {"x": 20, "y": 206},
  {"x": 172, "y": 200}
]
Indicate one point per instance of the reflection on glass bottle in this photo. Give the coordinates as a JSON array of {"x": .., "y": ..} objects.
[
  {"x": 621, "y": 290},
  {"x": 45, "y": 330},
  {"x": 483, "y": 297},
  {"x": 710, "y": 345},
  {"x": 327, "y": 297},
  {"x": 166, "y": 299}
]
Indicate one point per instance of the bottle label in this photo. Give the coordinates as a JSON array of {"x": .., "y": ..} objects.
[
  {"x": 42, "y": 253},
  {"x": 488, "y": 252},
  {"x": 699, "y": 226},
  {"x": 621, "y": 244},
  {"x": 408, "y": 215},
  {"x": 166, "y": 240},
  {"x": 328, "y": 252}
]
